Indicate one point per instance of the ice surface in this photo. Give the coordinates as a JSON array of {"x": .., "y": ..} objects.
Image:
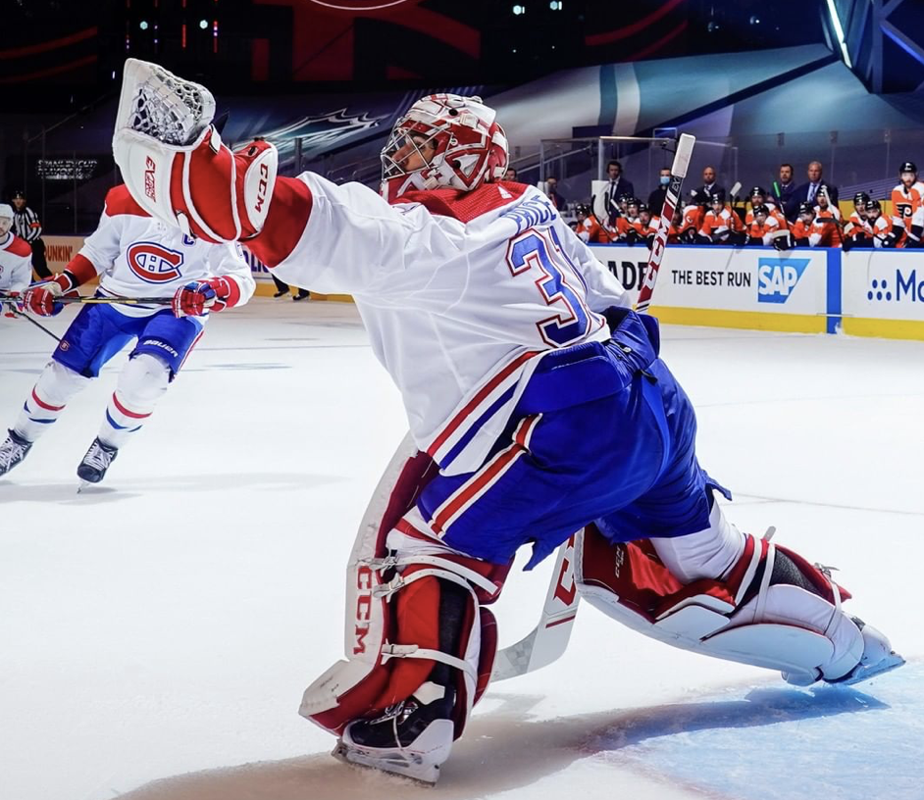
[{"x": 156, "y": 633}]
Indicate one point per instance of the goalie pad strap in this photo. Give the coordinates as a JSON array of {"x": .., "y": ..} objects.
[
  {"x": 457, "y": 573},
  {"x": 413, "y": 651}
]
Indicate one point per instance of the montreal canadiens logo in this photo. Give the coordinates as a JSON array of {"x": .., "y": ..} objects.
[{"x": 154, "y": 263}]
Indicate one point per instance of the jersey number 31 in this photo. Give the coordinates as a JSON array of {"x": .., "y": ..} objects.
[{"x": 532, "y": 252}]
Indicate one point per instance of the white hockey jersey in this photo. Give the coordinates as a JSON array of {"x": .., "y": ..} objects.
[
  {"x": 459, "y": 293},
  {"x": 15, "y": 264},
  {"x": 137, "y": 256}
]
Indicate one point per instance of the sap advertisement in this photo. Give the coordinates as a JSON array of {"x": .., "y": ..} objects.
[
  {"x": 883, "y": 284},
  {"x": 727, "y": 279}
]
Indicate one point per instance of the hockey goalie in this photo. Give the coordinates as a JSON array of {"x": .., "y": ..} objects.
[{"x": 538, "y": 406}]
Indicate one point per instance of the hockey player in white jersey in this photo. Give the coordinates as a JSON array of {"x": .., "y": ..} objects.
[
  {"x": 136, "y": 256},
  {"x": 15, "y": 262},
  {"x": 537, "y": 403}
]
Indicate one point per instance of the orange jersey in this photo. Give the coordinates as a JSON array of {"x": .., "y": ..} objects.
[
  {"x": 770, "y": 226},
  {"x": 905, "y": 202},
  {"x": 854, "y": 223},
  {"x": 674, "y": 232},
  {"x": 642, "y": 229},
  {"x": 588, "y": 229},
  {"x": 802, "y": 230},
  {"x": 775, "y": 213},
  {"x": 879, "y": 230},
  {"x": 827, "y": 223},
  {"x": 620, "y": 229},
  {"x": 692, "y": 218},
  {"x": 718, "y": 226}
]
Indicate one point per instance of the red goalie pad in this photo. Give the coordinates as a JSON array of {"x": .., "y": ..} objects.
[
  {"x": 392, "y": 631},
  {"x": 634, "y": 573}
]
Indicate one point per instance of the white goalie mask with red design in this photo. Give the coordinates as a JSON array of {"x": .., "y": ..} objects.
[{"x": 444, "y": 141}]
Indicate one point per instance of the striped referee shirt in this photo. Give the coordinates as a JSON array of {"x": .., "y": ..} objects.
[{"x": 26, "y": 224}]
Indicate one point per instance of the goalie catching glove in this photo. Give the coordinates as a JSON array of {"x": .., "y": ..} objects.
[{"x": 174, "y": 162}]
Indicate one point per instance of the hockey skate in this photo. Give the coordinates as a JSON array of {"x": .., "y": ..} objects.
[
  {"x": 412, "y": 738},
  {"x": 95, "y": 463},
  {"x": 12, "y": 451}
]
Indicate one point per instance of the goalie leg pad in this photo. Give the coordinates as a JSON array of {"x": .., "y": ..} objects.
[
  {"x": 738, "y": 614},
  {"x": 395, "y": 578}
]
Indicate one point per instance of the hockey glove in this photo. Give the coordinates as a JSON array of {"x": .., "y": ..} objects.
[
  {"x": 175, "y": 165},
  {"x": 195, "y": 299},
  {"x": 11, "y": 306},
  {"x": 41, "y": 299}
]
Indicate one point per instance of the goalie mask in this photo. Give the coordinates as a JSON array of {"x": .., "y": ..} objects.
[{"x": 444, "y": 141}]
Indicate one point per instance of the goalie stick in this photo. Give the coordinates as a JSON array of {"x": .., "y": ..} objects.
[{"x": 548, "y": 640}]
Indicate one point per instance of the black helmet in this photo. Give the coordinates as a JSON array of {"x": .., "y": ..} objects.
[
  {"x": 761, "y": 209},
  {"x": 19, "y": 194},
  {"x": 632, "y": 201},
  {"x": 909, "y": 166},
  {"x": 643, "y": 207},
  {"x": 860, "y": 197},
  {"x": 874, "y": 204},
  {"x": 806, "y": 208},
  {"x": 717, "y": 197},
  {"x": 625, "y": 198},
  {"x": 582, "y": 208},
  {"x": 757, "y": 190}
]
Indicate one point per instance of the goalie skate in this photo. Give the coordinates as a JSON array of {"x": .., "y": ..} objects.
[
  {"x": 420, "y": 759},
  {"x": 878, "y": 656}
]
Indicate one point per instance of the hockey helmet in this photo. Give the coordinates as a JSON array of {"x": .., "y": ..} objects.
[
  {"x": 459, "y": 143},
  {"x": 860, "y": 198},
  {"x": 908, "y": 166},
  {"x": 717, "y": 198},
  {"x": 806, "y": 208},
  {"x": 874, "y": 205},
  {"x": 582, "y": 208},
  {"x": 757, "y": 191},
  {"x": 761, "y": 209},
  {"x": 643, "y": 208}
]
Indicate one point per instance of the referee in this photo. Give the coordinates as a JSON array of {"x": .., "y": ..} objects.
[{"x": 26, "y": 225}]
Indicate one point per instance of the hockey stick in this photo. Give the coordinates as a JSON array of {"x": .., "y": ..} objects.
[
  {"x": 132, "y": 301},
  {"x": 549, "y": 639},
  {"x": 37, "y": 325},
  {"x": 671, "y": 199}
]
